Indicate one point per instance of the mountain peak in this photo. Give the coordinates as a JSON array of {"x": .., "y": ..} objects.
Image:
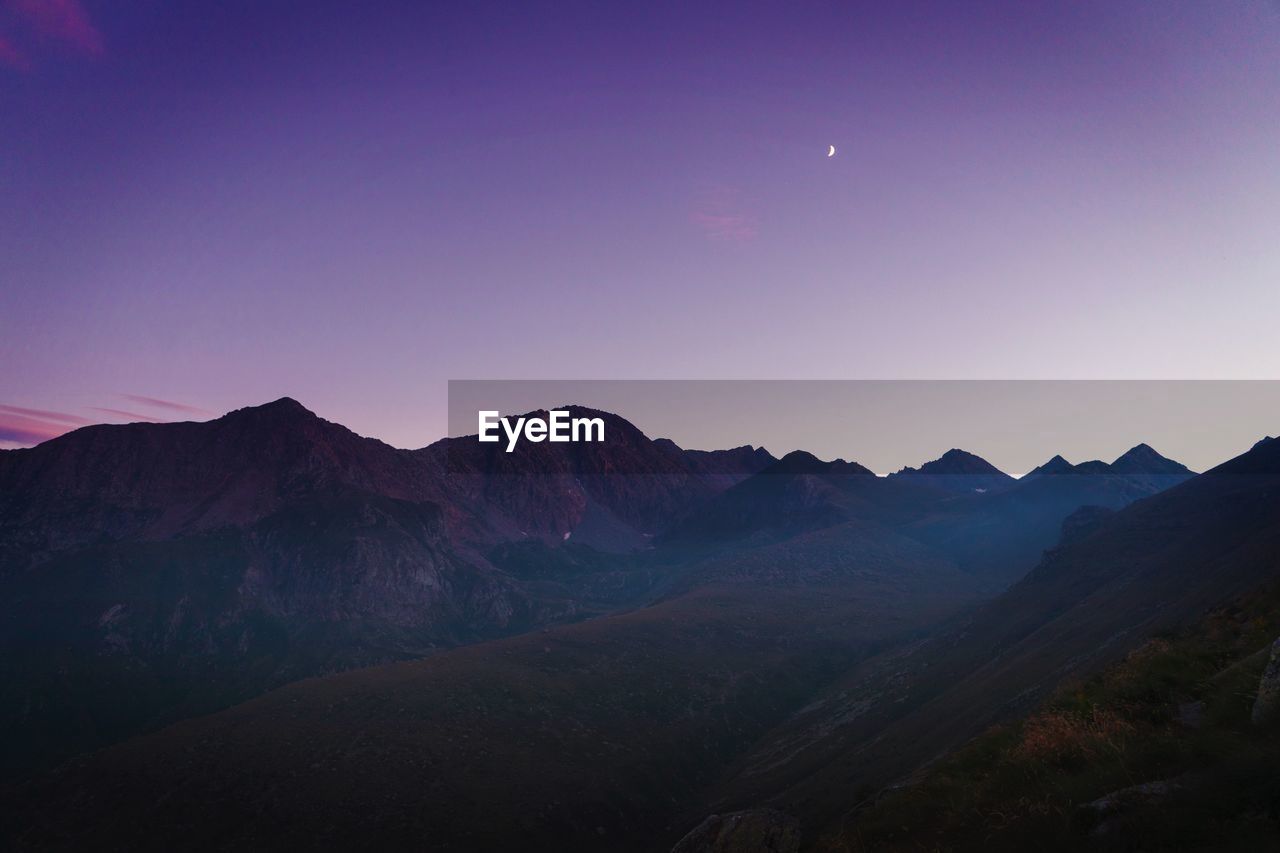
[
  {"x": 798, "y": 461},
  {"x": 958, "y": 471},
  {"x": 284, "y": 404},
  {"x": 1143, "y": 459},
  {"x": 1262, "y": 458},
  {"x": 804, "y": 462},
  {"x": 956, "y": 461},
  {"x": 1056, "y": 465},
  {"x": 283, "y": 409}
]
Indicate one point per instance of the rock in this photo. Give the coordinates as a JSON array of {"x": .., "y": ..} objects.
[
  {"x": 1191, "y": 714},
  {"x": 1264, "y": 707},
  {"x": 751, "y": 831},
  {"x": 1111, "y": 808},
  {"x": 1135, "y": 794}
]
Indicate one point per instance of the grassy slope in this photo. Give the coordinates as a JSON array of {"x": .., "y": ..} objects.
[{"x": 1027, "y": 785}]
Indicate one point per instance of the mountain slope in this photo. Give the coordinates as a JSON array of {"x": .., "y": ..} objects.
[
  {"x": 577, "y": 737},
  {"x": 1148, "y": 567},
  {"x": 153, "y": 571},
  {"x": 1161, "y": 751}
]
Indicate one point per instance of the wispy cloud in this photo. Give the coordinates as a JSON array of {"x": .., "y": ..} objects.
[
  {"x": 63, "y": 20},
  {"x": 720, "y": 215},
  {"x": 22, "y": 430},
  {"x": 157, "y": 403},
  {"x": 11, "y": 56},
  {"x": 41, "y": 414},
  {"x": 23, "y": 427},
  {"x": 735, "y": 227},
  {"x": 132, "y": 416},
  {"x": 32, "y": 26}
]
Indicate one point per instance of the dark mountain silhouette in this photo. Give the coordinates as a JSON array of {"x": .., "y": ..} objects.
[
  {"x": 152, "y": 571},
  {"x": 1142, "y": 459},
  {"x": 959, "y": 471},
  {"x": 156, "y": 481},
  {"x": 800, "y": 493},
  {"x": 567, "y": 646},
  {"x": 1140, "y": 463},
  {"x": 1056, "y": 465},
  {"x": 735, "y": 462}
]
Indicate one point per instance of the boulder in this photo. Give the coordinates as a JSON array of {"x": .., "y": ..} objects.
[
  {"x": 1264, "y": 707},
  {"x": 751, "y": 831}
]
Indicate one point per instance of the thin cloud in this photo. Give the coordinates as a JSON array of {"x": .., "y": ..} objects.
[
  {"x": 733, "y": 227},
  {"x": 720, "y": 215},
  {"x": 12, "y": 57},
  {"x": 157, "y": 403},
  {"x": 64, "y": 21},
  {"x": 41, "y": 414},
  {"x": 22, "y": 431},
  {"x": 133, "y": 416}
]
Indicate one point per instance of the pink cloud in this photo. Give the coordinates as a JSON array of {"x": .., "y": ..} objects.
[
  {"x": 41, "y": 414},
  {"x": 157, "y": 403},
  {"x": 725, "y": 226},
  {"x": 63, "y": 21},
  {"x": 132, "y": 416},
  {"x": 12, "y": 57},
  {"x": 719, "y": 214},
  {"x": 21, "y": 430}
]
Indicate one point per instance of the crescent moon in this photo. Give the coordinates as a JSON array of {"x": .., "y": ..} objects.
[{"x": 831, "y": 151}]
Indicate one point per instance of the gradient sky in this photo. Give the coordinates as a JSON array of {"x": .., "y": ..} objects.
[{"x": 209, "y": 205}]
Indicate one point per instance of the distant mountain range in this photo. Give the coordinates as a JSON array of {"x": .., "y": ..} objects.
[
  {"x": 567, "y": 643},
  {"x": 1140, "y": 463}
]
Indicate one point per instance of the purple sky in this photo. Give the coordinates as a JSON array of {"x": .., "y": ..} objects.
[{"x": 211, "y": 205}]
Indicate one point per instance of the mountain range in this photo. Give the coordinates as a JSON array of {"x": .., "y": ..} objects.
[{"x": 565, "y": 647}]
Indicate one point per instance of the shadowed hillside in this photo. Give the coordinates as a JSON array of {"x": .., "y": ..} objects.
[
  {"x": 572, "y": 738},
  {"x": 1152, "y": 566},
  {"x": 1165, "y": 750}
]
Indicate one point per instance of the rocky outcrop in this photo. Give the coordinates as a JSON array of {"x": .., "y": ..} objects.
[
  {"x": 1112, "y": 807},
  {"x": 1135, "y": 795},
  {"x": 1268, "y": 699},
  {"x": 752, "y": 831}
]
